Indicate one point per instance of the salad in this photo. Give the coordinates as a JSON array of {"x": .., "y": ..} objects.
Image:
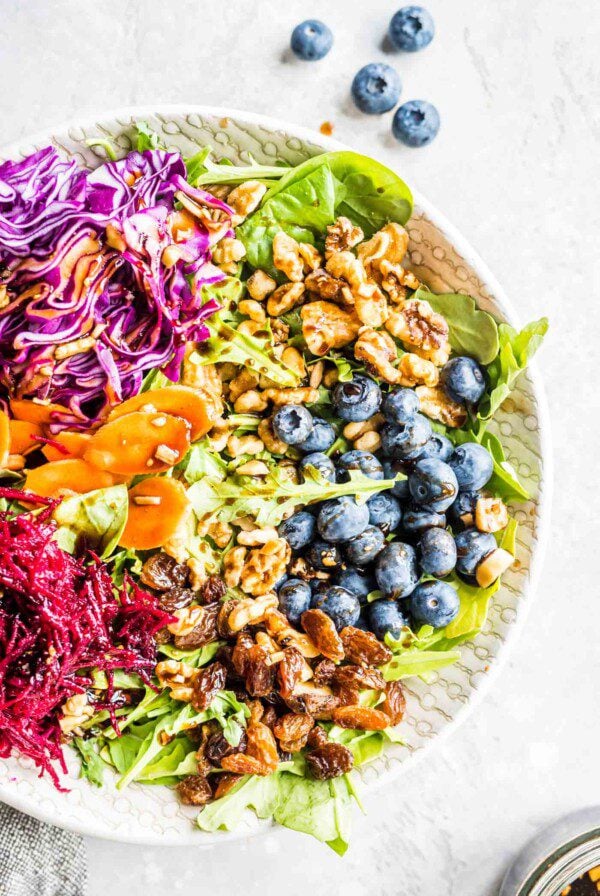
[{"x": 248, "y": 483}]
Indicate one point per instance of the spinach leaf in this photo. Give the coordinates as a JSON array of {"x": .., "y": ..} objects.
[
  {"x": 515, "y": 351},
  {"x": 472, "y": 332},
  {"x": 504, "y": 482},
  {"x": 95, "y": 520}
]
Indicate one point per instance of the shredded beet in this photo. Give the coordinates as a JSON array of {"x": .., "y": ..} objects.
[{"x": 60, "y": 617}]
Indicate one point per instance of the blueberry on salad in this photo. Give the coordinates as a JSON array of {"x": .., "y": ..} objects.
[
  {"x": 356, "y": 400},
  {"x": 391, "y": 469},
  {"x": 416, "y": 123},
  {"x": 396, "y": 570},
  {"x": 385, "y": 617},
  {"x": 416, "y": 520},
  {"x": 400, "y": 406},
  {"x": 341, "y": 606},
  {"x": 405, "y": 441},
  {"x": 461, "y": 514},
  {"x": 298, "y": 530},
  {"x": 437, "y": 552},
  {"x": 321, "y": 437},
  {"x": 342, "y": 519},
  {"x": 294, "y": 598},
  {"x": 433, "y": 484},
  {"x": 472, "y": 465},
  {"x": 357, "y": 581},
  {"x": 384, "y": 512},
  {"x": 471, "y": 548},
  {"x": 463, "y": 380},
  {"x": 311, "y": 40},
  {"x": 323, "y": 555},
  {"x": 292, "y": 424},
  {"x": 363, "y": 549},
  {"x": 434, "y": 603},
  {"x": 411, "y": 29},
  {"x": 361, "y": 462},
  {"x": 376, "y": 88},
  {"x": 438, "y": 446},
  {"x": 322, "y": 464}
]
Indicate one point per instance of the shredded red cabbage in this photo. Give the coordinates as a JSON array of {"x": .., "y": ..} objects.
[
  {"x": 100, "y": 256},
  {"x": 60, "y": 617}
]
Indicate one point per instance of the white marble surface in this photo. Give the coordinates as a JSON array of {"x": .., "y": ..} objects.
[{"x": 516, "y": 168}]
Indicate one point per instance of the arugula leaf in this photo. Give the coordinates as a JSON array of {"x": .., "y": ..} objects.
[
  {"x": 202, "y": 170},
  {"x": 92, "y": 766},
  {"x": 472, "y": 332},
  {"x": 515, "y": 352},
  {"x": 145, "y": 138},
  {"x": 202, "y": 461},
  {"x": 272, "y": 498},
  {"x": 94, "y": 520},
  {"x": 504, "y": 482},
  {"x": 196, "y": 658}
]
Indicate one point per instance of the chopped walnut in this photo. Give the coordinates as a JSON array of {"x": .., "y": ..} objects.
[
  {"x": 205, "y": 378},
  {"x": 396, "y": 280},
  {"x": 287, "y": 257},
  {"x": 187, "y": 620},
  {"x": 280, "y": 330},
  {"x": 342, "y": 235},
  {"x": 293, "y": 359},
  {"x": 378, "y": 351},
  {"x": 491, "y": 567},
  {"x": 416, "y": 324},
  {"x": 264, "y": 566},
  {"x": 245, "y": 198},
  {"x": 310, "y": 256},
  {"x": 253, "y": 537},
  {"x": 179, "y": 677},
  {"x": 324, "y": 285},
  {"x": 436, "y": 405},
  {"x": 219, "y": 532},
  {"x": 252, "y": 309},
  {"x": 271, "y": 441},
  {"x": 75, "y": 711},
  {"x": 346, "y": 266},
  {"x": 251, "y": 402},
  {"x": 416, "y": 371},
  {"x": 326, "y": 326},
  {"x": 286, "y": 636},
  {"x": 285, "y": 298},
  {"x": 228, "y": 250},
  {"x": 260, "y": 285},
  {"x": 391, "y": 243},
  {"x": 301, "y": 395},
  {"x": 219, "y": 434},
  {"x": 245, "y": 380},
  {"x": 491, "y": 514},
  {"x": 371, "y": 305},
  {"x": 249, "y": 444},
  {"x": 352, "y": 431},
  {"x": 250, "y": 611},
  {"x": 233, "y": 563}
]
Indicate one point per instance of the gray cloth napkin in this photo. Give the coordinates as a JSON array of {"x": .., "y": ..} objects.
[{"x": 37, "y": 859}]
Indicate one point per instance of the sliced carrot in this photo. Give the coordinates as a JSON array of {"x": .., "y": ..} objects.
[
  {"x": 139, "y": 443},
  {"x": 23, "y": 436},
  {"x": 180, "y": 401},
  {"x": 32, "y": 412},
  {"x": 72, "y": 474},
  {"x": 4, "y": 438},
  {"x": 74, "y": 442},
  {"x": 157, "y": 505}
]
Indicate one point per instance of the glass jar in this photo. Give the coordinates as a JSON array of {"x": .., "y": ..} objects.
[{"x": 556, "y": 856}]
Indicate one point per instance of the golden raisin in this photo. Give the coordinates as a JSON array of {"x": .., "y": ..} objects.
[
  {"x": 194, "y": 790},
  {"x": 364, "y": 647},
  {"x": 322, "y": 632},
  {"x": 394, "y": 704},
  {"x": 290, "y": 670},
  {"x": 206, "y": 685},
  {"x": 329, "y": 761},
  {"x": 293, "y": 727},
  {"x": 361, "y": 717}
]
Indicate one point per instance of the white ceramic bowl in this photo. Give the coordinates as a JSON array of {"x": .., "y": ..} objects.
[{"x": 446, "y": 262}]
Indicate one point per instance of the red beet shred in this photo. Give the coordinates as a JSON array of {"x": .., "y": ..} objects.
[{"x": 60, "y": 617}]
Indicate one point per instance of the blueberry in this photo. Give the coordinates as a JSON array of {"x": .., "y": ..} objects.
[
  {"x": 385, "y": 616},
  {"x": 405, "y": 440},
  {"x": 437, "y": 446},
  {"x": 340, "y": 605},
  {"x": 471, "y": 547},
  {"x": 400, "y": 406},
  {"x": 376, "y": 88},
  {"x": 294, "y": 599},
  {"x": 433, "y": 484},
  {"x": 463, "y": 380},
  {"x": 311, "y": 40},
  {"x": 317, "y": 588},
  {"x": 298, "y": 530},
  {"x": 323, "y": 555},
  {"x": 362, "y": 462},
  {"x": 365, "y": 547},
  {"x": 416, "y": 123},
  {"x": 473, "y": 466},
  {"x": 462, "y": 513},
  {"x": 281, "y": 581},
  {"x": 400, "y": 489},
  {"x": 434, "y": 603},
  {"x": 384, "y": 512},
  {"x": 321, "y": 463},
  {"x": 356, "y": 400},
  {"x": 357, "y": 582},
  {"x": 342, "y": 519},
  {"x": 292, "y": 424},
  {"x": 321, "y": 438},
  {"x": 411, "y": 29},
  {"x": 437, "y": 552},
  {"x": 416, "y": 520},
  {"x": 396, "y": 570}
]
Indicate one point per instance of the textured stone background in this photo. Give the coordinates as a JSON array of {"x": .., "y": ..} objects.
[{"x": 515, "y": 167}]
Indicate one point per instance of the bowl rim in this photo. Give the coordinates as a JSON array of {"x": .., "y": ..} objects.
[{"x": 544, "y": 502}]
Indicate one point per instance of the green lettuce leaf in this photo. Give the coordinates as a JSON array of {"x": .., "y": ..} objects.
[
  {"x": 92, "y": 766},
  {"x": 472, "y": 332},
  {"x": 95, "y": 520},
  {"x": 505, "y": 482},
  {"x": 516, "y": 350},
  {"x": 202, "y": 170},
  {"x": 196, "y": 658},
  {"x": 415, "y": 661}
]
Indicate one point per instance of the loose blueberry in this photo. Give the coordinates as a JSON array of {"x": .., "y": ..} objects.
[
  {"x": 365, "y": 547},
  {"x": 317, "y": 588},
  {"x": 357, "y": 582},
  {"x": 473, "y": 466},
  {"x": 311, "y": 40},
  {"x": 292, "y": 424},
  {"x": 356, "y": 400},
  {"x": 340, "y": 605},
  {"x": 400, "y": 406},
  {"x": 463, "y": 380},
  {"x": 437, "y": 552},
  {"x": 438, "y": 446},
  {"x": 321, "y": 438},
  {"x": 404, "y": 441},
  {"x": 294, "y": 599},
  {"x": 384, "y": 512},
  {"x": 415, "y": 520},
  {"x": 323, "y": 555},
  {"x": 411, "y": 29},
  {"x": 462, "y": 513},
  {"x": 434, "y": 603},
  {"x": 400, "y": 489},
  {"x": 385, "y": 616},
  {"x": 416, "y": 123},
  {"x": 471, "y": 548},
  {"x": 433, "y": 484},
  {"x": 396, "y": 570},
  {"x": 298, "y": 530},
  {"x": 376, "y": 88},
  {"x": 342, "y": 519},
  {"x": 360, "y": 461},
  {"x": 321, "y": 463},
  {"x": 281, "y": 582}
]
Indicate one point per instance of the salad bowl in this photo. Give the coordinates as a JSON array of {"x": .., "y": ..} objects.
[{"x": 443, "y": 260}]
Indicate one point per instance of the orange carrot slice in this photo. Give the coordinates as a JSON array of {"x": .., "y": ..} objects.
[
  {"x": 32, "y": 412},
  {"x": 180, "y": 401},
  {"x": 23, "y": 436},
  {"x": 4, "y": 438},
  {"x": 157, "y": 506},
  {"x": 74, "y": 442},
  {"x": 59, "y": 476},
  {"x": 139, "y": 443}
]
